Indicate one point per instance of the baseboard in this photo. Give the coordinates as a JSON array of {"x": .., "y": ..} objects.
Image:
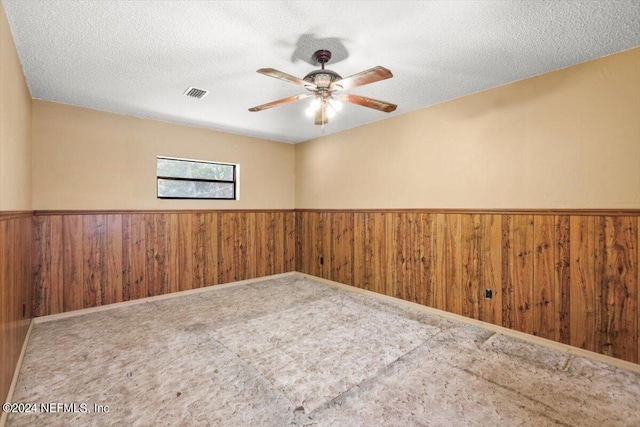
[
  {"x": 574, "y": 351},
  {"x": 81, "y": 312},
  {"x": 16, "y": 372}
]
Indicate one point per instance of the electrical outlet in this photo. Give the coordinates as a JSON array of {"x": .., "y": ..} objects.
[
  {"x": 321, "y": 260},
  {"x": 488, "y": 293}
]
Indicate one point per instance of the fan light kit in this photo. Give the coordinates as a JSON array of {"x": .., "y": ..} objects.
[{"x": 324, "y": 86}]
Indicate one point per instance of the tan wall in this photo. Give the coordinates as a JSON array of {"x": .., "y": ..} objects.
[
  {"x": 16, "y": 291},
  {"x": 88, "y": 159},
  {"x": 15, "y": 126},
  {"x": 565, "y": 139}
]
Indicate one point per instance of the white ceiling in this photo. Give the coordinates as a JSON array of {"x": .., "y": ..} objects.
[{"x": 138, "y": 57}]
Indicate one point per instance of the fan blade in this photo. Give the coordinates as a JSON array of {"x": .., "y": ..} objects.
[
  {"x": 321, "y": 116},
  {"x": 372, "y": 75},
  {"x": 368, "y": 102},
  {"x": 271, "y": 72},
  {"x": 280, "y": 102}
]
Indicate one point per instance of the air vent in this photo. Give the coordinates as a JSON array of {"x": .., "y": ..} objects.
[{"x": 194, "y": 92}]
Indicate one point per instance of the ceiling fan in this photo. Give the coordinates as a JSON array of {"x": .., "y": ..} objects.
[{"x": 325, "y": 86}]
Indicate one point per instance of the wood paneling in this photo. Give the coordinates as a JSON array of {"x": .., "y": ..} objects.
[
  {"x": 92, "y": 251},
  {"x": 491, "y": 267},
  {"x": 427, "y": 296},
  {"x": 16, "y": 290},
  {"x": 155, "y": 228},
  {"x": 562, "y": 257},
  {"x": 582, "y": 313},
  {"x": 543, "y": 270},
  {"x": 452, "y": 263},
  {"x": 619, "y": 293},
  {"x": 374, "y": 253},
  {"x": 211, "y": 269},
  {"x": 111, "y": 286},
  {"x": 508, "y": 315},
  {"x": 470, "y": 246},
  {"x": 438, "y": 272},
  {"x": 402, "y": 233},
  {"x": 96, "y": 258},
  {"x": 173, "y": 245},
  {"x": 569, "y": 212},
  {"x": 572, "y": 278},
  {"x": 185, "y": 252},
  {"x": 359, "y": 227},
  {"x": 138, "y": 256},
  {"x": 520, "y": 271},
  {"x": 342, "y": 247},
  {"x": 290, "y": 248},
  {"x": 72, "y": 262}
]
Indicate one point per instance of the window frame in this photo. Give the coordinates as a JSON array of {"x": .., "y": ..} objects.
[{"x": 235, "y": 180}]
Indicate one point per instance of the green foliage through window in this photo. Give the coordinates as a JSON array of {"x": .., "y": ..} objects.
[{"x": 195, "y": 179}]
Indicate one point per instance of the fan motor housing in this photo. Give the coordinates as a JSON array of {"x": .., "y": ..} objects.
[{"x": 322, "y": 78}]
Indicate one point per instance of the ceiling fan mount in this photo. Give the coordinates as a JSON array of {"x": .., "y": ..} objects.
[
  {"x": 322, "y": 56},
  {"x": 322, "y": 85}
]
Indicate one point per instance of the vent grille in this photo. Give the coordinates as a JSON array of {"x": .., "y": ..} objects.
[{"x": 194, "y": 92}]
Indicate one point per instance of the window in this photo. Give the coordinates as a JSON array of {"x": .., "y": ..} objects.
[{"x": 196, "y": 179}]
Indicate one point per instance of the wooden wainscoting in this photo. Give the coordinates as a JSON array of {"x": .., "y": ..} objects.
[
  {"x": 88, "y": 259},
  {"x": 569, "y": 276},
  {"x": 16, "y": 291}
]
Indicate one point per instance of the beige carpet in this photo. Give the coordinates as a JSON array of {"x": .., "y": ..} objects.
[{"x": 293, "y": 351}]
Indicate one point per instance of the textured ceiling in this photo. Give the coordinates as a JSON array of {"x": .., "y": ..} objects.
[{"x": 138, "y": 57}]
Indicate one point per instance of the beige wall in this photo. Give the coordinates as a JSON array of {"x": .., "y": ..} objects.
[
  {"x": 15, "y": 126},
  {"x": 88, "y": 159},
  {"x": 565, "y": 139}
]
